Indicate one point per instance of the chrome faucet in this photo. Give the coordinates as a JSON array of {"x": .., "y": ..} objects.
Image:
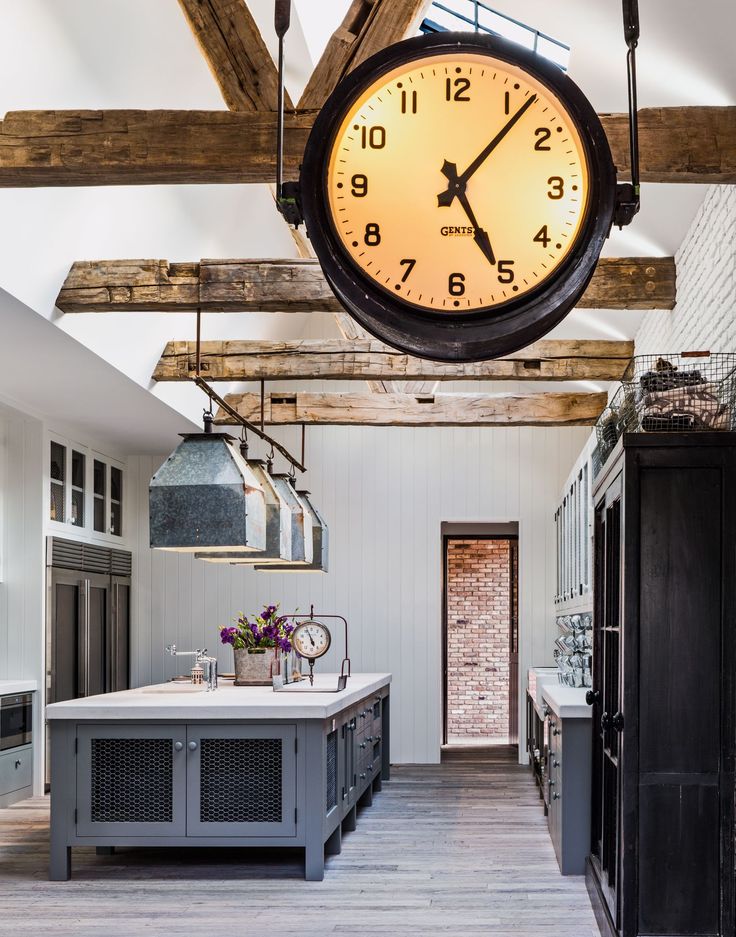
[{"x": 200, "y": 655}]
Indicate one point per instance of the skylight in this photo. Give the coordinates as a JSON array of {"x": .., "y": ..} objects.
[{"x": 475, "y": 16}]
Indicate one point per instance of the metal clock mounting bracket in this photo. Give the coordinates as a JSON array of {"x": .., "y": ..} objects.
[
  {"x": 628, "y": 193},
  {"x": 287, "y": 193}
]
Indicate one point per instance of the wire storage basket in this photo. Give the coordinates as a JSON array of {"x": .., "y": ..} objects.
[{"x": 687, "y": 392}]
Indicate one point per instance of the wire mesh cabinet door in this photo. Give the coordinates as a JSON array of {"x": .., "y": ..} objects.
[
  {"x": 131, "y": 780},
  {"x": 241, "y": 780}
]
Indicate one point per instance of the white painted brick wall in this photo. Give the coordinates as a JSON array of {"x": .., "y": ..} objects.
[{"x": 704, "y": 318}]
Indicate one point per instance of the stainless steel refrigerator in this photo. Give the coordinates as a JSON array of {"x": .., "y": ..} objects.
[{"x": 87, "y": 621}]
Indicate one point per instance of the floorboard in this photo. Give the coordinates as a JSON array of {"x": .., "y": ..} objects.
[{"x": 454, "y": 849}]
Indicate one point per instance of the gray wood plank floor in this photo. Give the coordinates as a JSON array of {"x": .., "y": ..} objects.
[{"x": 459, "y": 849}]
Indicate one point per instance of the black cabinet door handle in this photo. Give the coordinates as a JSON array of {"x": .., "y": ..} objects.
[
  {"x": 592, "y": 696},
  {"x": 605, "y": 722},
  {"x": 617, "y": 722}
]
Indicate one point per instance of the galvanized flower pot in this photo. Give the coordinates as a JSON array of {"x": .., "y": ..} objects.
[{"x": 253, "y": 667}]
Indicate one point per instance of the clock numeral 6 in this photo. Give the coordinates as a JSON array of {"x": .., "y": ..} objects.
[
  {"x": 372, "y": 235},
  {"x": 455, "y": 89},
  {"x": 557, "y": 187},
  {"x": 456, "y": 284},
  {"x": 505, "y": 273},
  {"x": 373, "y": 138},
  {"x": 542, "y": 134},
  {"x": 359, "y": 184}
]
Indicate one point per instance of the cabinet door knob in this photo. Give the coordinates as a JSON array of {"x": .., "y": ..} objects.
[
  {"x": 555, "y": 764},
  {"x": 178, "y": 746},
  {"x": 592, "y": 696},
  {"x": 605, "y": 722},
  {"x": 192, "y": 746},
  {"x": 555, "y": 796},
  {"x": 362, "y": 777},
  {"x": 617, "y": 722},
  {"x": 555, "y": 732},
  {"x": 18, "y": 763}
]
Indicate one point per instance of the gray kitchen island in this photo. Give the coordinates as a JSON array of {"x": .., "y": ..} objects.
[{"x": 176, "y": 765}]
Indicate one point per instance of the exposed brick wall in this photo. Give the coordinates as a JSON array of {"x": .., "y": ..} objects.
[
  {"x": 478, "y": 609},
  {"x": 704, "y": 318}
]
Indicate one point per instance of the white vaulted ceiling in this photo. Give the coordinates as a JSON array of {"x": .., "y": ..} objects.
[{"x": 68, "y": 54}]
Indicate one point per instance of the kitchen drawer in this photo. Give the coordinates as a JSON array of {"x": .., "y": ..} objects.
[{"x": 16, "y": 769}]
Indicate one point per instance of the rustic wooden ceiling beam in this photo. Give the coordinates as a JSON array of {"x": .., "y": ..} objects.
[
  {"x": 235, "y": 52},
  {"x": 299, "y": 286},
  {"x": 59, "y": 148},
  {"x": 368, "y": 27},
  {"x": 338, "y": 359},
  {"x": 550, "y": 409}
]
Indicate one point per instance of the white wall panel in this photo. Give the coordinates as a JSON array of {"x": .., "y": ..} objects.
[{"x": 384, "y": 493}]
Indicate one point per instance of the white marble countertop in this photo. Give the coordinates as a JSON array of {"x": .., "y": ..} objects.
[
  {"x": 186, "y": 701},
  {"x": 567, "y": 702},
  {"x": 9, "y": 687}
]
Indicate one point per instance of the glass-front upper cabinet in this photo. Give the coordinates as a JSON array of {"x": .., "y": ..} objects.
[{"x": 85, "y": 489}]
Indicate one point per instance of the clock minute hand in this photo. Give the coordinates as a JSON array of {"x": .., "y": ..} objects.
[{"x": 457, "y": 182}]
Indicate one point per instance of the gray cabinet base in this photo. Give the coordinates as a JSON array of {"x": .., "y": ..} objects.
[{"x": 307, "y": 757}]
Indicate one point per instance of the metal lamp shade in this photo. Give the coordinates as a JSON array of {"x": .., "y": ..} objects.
[
  {"x": 320, "y": 544},
  {"x": 205, "y": 498},
  {"x": 278, "y": 527}
]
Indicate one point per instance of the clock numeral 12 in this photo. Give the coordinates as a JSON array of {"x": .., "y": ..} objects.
[
  {"x": 373, "y": 138},
  {"x": 406, "y": 102},
  {"x": 455, "y": 89},
  {"x": 409, "y": 264}
]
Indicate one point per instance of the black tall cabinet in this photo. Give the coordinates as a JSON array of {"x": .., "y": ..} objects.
[{"x": 664, "y": 674}]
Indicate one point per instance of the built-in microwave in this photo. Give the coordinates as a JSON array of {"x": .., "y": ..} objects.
[{"x": 16, "y": 720}]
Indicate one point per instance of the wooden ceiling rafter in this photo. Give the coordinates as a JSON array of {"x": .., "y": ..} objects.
[
  {"x": 129, "y": 147},
  {"x": 235, "y": 51},
  {"x": 542, "y": 409},
  {"x": 368, "y": 27},
  {"x": 365, "y": 359},
  {"x": 298, "y": 285}
]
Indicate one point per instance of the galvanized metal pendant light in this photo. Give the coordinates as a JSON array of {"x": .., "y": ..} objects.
[
  {"x": 278, "y": 526},
  {"x": 205, "y": 498},
  {"x": 320, "y": 544}
]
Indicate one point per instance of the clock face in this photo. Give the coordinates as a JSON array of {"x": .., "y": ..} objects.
[
  {"x": 457, "y": 182},
  {"x": 311, "y": 639}
]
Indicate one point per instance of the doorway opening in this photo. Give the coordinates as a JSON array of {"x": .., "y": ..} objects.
[{"x": 480, "y": 635}]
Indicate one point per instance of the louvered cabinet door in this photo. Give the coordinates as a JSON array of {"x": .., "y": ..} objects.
[
  {"x": 241, "y": 780},
  {"x": 131, "y": 780}
]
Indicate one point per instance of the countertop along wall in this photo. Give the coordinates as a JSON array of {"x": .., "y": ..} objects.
[
  {"x": 384, "y": 493},
  {"x": 704, "y": 318}
]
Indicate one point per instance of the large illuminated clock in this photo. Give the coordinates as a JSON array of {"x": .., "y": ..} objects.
[{"x": 457, "y": 190}]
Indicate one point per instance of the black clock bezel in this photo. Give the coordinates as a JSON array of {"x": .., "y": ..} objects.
[
  {"x": 323, "y": 626},
  {"x": 482, "y": 333}
]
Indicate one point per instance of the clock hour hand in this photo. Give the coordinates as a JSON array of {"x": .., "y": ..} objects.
[
  {"x": 480, "y": 236},
  {"x": 457, "y": 183}
]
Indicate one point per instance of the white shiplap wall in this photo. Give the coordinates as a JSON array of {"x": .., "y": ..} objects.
[
  {"x": 384, "y": 493},
  {"x": 21, "y": 554}
]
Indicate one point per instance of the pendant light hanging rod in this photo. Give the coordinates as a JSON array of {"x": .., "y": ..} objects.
[{"x": 246, "y": 424}]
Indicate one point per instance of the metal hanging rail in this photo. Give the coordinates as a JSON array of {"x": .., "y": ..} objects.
[{"x": 241, "y": 420}]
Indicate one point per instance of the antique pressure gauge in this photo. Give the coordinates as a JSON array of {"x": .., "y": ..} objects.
[
  {"x": 458, "y": 189},
  {"x": 311, "y": 639}
]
